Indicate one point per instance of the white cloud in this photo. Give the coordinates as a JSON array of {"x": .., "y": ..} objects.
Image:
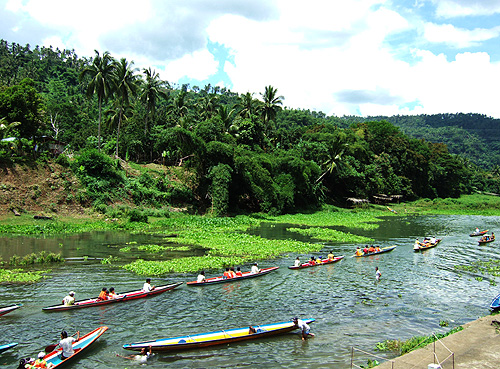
[
  {"x": 458, "y": 37},
  {"x": 462, "y": 8},
  {"x": 199, "y": 65}
]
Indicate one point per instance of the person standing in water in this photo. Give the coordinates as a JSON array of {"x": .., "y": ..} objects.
[{"x": 378, "y": 274}]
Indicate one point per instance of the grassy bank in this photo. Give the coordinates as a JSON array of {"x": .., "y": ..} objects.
[{"x": 226, "y": 240}]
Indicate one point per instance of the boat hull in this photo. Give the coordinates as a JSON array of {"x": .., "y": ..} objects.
[
  {"x": 478, "y": 233},
  {"x": 245, "y": 275},
  {"x": 495, "y": 304},
  {"x": 382, "y": 251},
  {"x": 323, "y": 262},
  {"x": 126, "y": 296},
  {"x": 7, "y": 346},
  {"x": 79, "y": 346},
  {"x": 8, "y": 309},
  {"x": 486, "y": 241},
  {"x": 215, "y": 338},
  {"x": 425, "y": 246}
]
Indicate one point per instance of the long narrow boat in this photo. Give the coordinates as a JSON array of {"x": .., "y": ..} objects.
[
  {"x": 7, "y": 346},
  {"x": 486, "y": 240},
  {"x": 382, "y": 250},
  {"x": 125, "y": 296},
  {"x": 79, "y": 346},
  {"x": 495, "y": 304},
  {"x": 480, "y": 233},
  {"x": 8, "y": 309},
  {"x": 215, "y": 338},
  {"x": 323, "y": 262},
  {"x": 221, "y": 279},
  {"x": 421, "y": 246}
]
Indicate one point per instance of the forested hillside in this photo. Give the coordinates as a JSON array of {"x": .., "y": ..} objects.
[{"x": 238, "y": 152}]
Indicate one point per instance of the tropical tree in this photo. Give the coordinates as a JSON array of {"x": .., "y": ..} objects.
[
  {"x": 127, "y": 85},
  {"x": 272, "y": 103},
  {"x": 102, "y": 81},
  {"x": 226, "y": 116},
  {"x": 247, "y": 105},
  {"x": 153, "y": 88}
]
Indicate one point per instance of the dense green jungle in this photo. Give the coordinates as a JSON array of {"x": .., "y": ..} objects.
[{"x": 112, "y": 135}]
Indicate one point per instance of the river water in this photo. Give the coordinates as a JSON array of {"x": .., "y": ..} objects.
[{"x": 417, "y": 291}]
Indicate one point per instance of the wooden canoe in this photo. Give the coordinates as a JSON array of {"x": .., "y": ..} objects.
[
  {"x": 491, "y": 239},
  {"x": 323, "y": 262},
  {"x": 495, "y": 304},
  {"x": 480, "y": 233},
  {"x": 8, "y": 309},
  {"x": 215, "y": 338},
  {"x": 382, "y": 250},
  {"x": 221, "y": 279},
  {"x": 424, "y": 246},
  {"x": 79, "y": 346},
  {"x": 125, "y": 296},
  {"x": 7, "y": 346}
]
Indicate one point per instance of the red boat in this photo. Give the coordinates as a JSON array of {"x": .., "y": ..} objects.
[
  {"x": 322, "y": 262},
  {"x": 8, "y": 309},
  {"x": 221, "y": 279},
  {"x": 125, "y": 296}
]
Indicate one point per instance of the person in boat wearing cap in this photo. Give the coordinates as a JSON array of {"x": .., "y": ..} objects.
[
  {"x": 304, "y": 328},
  {"x": 40, "y": 362},
  {"x": 70, "y": 299}
]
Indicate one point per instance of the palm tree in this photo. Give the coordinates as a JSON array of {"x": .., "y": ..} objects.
[
  {"x": 127, "y": 85},
  {"x": 271, "y": 105},
  {"x": 335, "y": 153},
  {"x": 102, "y": 81},
  {"x": 226, "y": 116},
  {"x": 6, "y": 127},
  {"x": 207, "y": 106},
  {"x": 153, "y": 88},
  {"x": 247, "y": 105}
]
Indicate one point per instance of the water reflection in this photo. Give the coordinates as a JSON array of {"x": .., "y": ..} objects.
[{"x": 416, "y": 292}]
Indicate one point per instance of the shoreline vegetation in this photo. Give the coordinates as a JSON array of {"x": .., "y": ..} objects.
[{"x": 226, "y": 239}]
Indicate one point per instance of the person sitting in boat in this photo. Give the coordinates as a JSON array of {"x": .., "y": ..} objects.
[
  {"x": 492, "y": 236},
  {"x": 371, "y": 249},
  {"x": 297, "y": 262},
  {"x": 142, "y": 357},
  {"x": 319, "y": 260},
  {"x": 147, "y": 286},
  {"x": 359, "y": 252},
  {"x": 201, "y": 277},
  {"x": 112, "y": 294},
  {"x": 477, "y": 230},
  {"x": 304, "y": 328},
  {"x": 232, "y": 272},
  {"x": 331, "y": 256},
  {"x": 66, "y": 344},
  {"x": 312, "y": 261},
  {"x": 377, "y": 249},
  {"x": 104, "y": 295},
  {"x": 69, "y": 300},
  {"x": 433, "y": 240},
  {"x": 40, "y": 362},
  {"x": 227, "y": 274},
  {"x": 365, "y": 250},
  {"x": 255, "y": 268},
  {"x": 239, "y": 273}
]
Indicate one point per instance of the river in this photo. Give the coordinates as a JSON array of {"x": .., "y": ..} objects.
[{"x": 417, "y": 292}]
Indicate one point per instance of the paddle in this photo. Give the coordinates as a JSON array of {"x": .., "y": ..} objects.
[{"x": 51, "y": 348}]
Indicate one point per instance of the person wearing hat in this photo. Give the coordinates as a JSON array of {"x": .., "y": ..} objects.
[
  {"x": 40, "y": 362},
  {"x": 255, "y": 268},
  {"x": 304, "y": 328},
  {"x": 70, "y": 299}
]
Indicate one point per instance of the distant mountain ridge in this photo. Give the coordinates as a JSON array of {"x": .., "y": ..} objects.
[{"x": 473, "y": 136}]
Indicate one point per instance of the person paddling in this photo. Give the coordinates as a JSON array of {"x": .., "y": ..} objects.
[{"x": 66, "y": 344}]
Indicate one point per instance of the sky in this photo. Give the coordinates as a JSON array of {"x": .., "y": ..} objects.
[{"x": 356, "y": 57}]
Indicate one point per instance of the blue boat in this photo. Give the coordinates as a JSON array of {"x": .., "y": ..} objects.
[
  {"x": 495, "y": 304},
  {"x": 7, "y": 346}
]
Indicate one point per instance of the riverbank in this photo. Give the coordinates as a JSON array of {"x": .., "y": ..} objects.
[{"x": 476, "y": 346}]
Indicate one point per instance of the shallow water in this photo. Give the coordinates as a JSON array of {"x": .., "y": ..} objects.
[{"x": 416, "y": 292}]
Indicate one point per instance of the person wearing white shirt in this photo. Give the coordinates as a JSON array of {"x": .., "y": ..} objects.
[
  {"x": 147, "y": 286},
  {"x": 255, "y": 268}
]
